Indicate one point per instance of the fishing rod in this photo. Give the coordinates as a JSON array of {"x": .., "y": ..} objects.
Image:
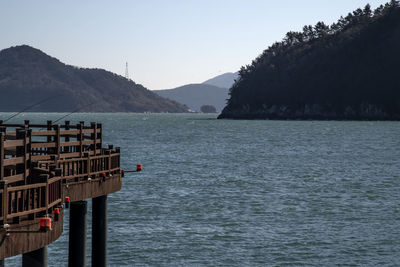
[
  {"x": 80, "y": 108},
  {"x": 76, "y": 110},
  {"x": 31, "y": 106},
  {"x": 139, "y": 167}
]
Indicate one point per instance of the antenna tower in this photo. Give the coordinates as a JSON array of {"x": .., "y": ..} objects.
[{"x": 126, "y": 71}]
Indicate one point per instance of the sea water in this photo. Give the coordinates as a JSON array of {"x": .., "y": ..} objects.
[{"x": 247, "y": 193}]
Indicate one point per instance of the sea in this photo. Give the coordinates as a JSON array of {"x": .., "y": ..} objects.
[{"x": 246, "y": 192}]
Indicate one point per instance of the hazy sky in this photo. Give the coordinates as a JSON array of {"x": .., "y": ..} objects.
[{"x": 167, "y": 43}]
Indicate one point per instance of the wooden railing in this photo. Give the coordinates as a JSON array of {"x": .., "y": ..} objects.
[
  {"x": 78, "y": 169},
  {"x": 37, "y": 160},
  {"x": 63, "y": 141},
  {"x": 14, "y": 156},
  {"x": 26, "y": 202}
]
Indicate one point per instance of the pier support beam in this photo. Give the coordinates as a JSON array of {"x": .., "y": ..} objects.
[
  {"x": 36, "y": 258},
  {"x": 77, "y": 234},
  {"x": 99, "y": 231}
]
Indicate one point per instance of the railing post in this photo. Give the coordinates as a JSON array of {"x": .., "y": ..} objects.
[
  {"x": 28, "y": 150},
  {"x": 25, "y": 164},
  {"x": 79, "y": 138},
  {"x": 93, "y": 137},
  {"x": 58, "y": 140},
  {"x": 4, "y": 201},
  {"x": 66, "y": 149},
  {"x": 2, "y": 155},
  {"x": 44, "y": 178},
  {"x": 47, "y": 195},
  {"x": 58, "y": 173},
  {"x": 82, "y": 123},
  {"x": 49, "y": 123},
  {"x": 109, "y": 161},
  {"x": 100, "y": 135},
  {"x": 118, "y": 151},
  {"x": 87, "y": 156},
  {"x": 21, "y": 152}
]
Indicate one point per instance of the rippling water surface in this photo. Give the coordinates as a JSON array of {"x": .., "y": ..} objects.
[{"x": 248, "y": 193}]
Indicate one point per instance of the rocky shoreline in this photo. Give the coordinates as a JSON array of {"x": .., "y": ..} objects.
[{"x": 311, "y": 112}]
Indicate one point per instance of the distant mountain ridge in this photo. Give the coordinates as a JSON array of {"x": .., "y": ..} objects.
[
  {"x": 212, "y": 92},
  {"x": 225, "y": 80},
  {"x": 196, "y": 95},
  {"x": 27, "y": 75}
]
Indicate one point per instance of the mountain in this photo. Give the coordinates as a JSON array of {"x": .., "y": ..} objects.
[
  {"x": 212, "y": 92},
  {"x": 196, "y": 95},
  {"x": 225, "y": 80},
  {"x": 348, "y": 71},
  {"x": 29, "y": 76}
]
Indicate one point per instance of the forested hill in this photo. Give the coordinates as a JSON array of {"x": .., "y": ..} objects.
[
  {"x": 29, "y": 76},
  {"x": 347, "y": 70}
]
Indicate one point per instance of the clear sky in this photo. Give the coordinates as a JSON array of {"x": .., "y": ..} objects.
[{"x": 167, "y": 43}]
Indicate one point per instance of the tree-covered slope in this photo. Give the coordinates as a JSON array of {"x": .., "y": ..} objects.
[
  {"x": 28, "y": 76},
  {"x": 348, "y": 70}
]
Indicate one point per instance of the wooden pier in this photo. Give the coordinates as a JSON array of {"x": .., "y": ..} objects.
[{"x": 44, "y": 168}]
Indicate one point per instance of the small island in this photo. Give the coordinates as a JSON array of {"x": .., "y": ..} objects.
[{"x": 345, "y": 71}]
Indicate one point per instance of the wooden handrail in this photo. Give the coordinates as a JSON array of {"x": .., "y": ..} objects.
[
  {"x": 32, "y": 205},
  {"x": 25, "y": 187},
  {"x": 43, "y": 133},
  {"x": 75, "y": 149},
  {"x": 32, "y": 126},
  {"x": 14, "y": 156},
  {"x": 14, "y": 161},
  {"x": 15, "y": 143}
]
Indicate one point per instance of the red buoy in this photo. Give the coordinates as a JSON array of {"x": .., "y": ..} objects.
[
  {"x": 139, "y": 167},
  {"x": 45, "y": 224},
  {"x": 67, "y": 201},
  {"x": 56, "y": 214}
]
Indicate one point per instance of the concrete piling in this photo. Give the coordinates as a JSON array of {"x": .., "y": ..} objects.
[
  {"x": 77, "y": 234},
  {"x": 36, "y": 258},
  {"x": 99, "y": 231}
]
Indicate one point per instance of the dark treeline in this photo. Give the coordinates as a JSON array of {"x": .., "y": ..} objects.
[{"x": 347, "y": 70}]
